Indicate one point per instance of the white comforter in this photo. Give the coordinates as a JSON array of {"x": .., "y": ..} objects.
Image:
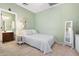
[{"x": 40, "y": 41}]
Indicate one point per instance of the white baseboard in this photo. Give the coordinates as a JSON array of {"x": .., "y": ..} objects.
[{"x": 62, "y": 43}]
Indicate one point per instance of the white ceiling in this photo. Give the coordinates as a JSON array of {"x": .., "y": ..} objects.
[{"x": 36, "y": 7}]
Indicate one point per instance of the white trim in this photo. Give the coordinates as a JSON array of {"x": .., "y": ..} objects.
[{"x": 62, "y": 43}]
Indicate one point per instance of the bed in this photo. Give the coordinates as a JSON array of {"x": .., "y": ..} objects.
[{"x": 43, "y": 42}]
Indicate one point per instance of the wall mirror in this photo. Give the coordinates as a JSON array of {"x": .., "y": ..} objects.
[
  {"x": 8, "y": 21},
  {"x": 68, "y": 38}
]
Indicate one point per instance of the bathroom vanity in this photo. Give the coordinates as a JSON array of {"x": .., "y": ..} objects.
[{"x": 7, "y": 36}]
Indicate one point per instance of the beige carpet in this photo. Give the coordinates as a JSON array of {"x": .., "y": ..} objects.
[{"x": 13, "y": 49}]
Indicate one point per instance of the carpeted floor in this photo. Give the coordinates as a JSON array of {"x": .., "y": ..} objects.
[{"x": 13, "y": 49}]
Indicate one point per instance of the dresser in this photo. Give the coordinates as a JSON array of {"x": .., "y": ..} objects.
[{"x": 7, "y": 36}]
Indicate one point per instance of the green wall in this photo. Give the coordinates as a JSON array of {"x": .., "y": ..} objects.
[
  {"x": 52, "y": 21},
  {"x": 22, "y": 14}
]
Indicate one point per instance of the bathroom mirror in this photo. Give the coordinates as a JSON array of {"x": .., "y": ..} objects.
[{"x": 8, "y": 21}]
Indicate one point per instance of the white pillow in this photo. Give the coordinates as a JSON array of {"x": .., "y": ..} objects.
[
  {"x": 29, "y": 32},
  {"x": 23, "y": 32},
  {"x": 33, "y": 31}
]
